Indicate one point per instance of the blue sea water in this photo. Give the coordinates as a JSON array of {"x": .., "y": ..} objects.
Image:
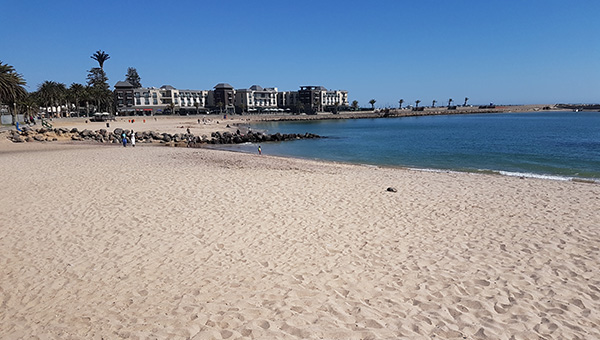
[{"x": 559, "y": 145}]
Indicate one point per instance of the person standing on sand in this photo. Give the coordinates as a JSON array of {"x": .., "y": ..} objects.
[
  {"x": 124, "y": 139},
  {"x": 259, "y": 150},
  {"x": 132, "y": 138}
]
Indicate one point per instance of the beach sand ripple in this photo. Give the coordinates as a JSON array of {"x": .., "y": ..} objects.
[{"x": 105, "y": 241}]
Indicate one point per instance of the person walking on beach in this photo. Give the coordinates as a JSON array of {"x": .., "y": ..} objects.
[
  {"x": 124, "y": 140},
  {"x": 259, "y": 150},
  {"x": 132, "y": 138}
]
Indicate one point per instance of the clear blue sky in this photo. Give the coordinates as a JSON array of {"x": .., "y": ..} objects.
[{"x": 501, "y": 51}]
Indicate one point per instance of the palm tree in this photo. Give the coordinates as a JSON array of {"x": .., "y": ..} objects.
[
  {"x": 466, "y": 100},
  {"x": 30, "y": 103},
  {"x": 400, "y": 102},
  {"x": 11, "y": 88},
  {"x": 355, "y": 104},
  {"x": 433, "y": 103},
  {"x": 52, "y": 93},
  {"x": 450, "y": 102},
  {"x": 417, "y": 103},
  {"x": 372, "y": 102},
  {"x": 197, "y": 105},
  {"x": 76, "y": 93},
  {"x": 100, "y": 57}
]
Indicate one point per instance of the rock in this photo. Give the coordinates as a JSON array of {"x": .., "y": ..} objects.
[
  {"x": 74, "y": 130},
  {"x": 118, "y": 132},
  {"x": 17, "y": 139},
  {"x": 86, "y": 133},
  {"x": 30, "y": 139},
  {"x": 39, "y": 138},
  {"x": 391, "y": 189}
]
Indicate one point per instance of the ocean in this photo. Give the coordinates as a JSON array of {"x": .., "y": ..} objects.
[{"x": 553, "y": 145}]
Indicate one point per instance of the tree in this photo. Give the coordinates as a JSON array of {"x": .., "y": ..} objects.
[
  {"x": 99, "y": 89},
  {"x": 133, "y": 78},
  {"x": 417, "y": 103},
  {"x": 52, "y": 94},
  {"x": 400, "y": 102},
  {"x": 100, "y": 57},
  {"x": 76, "y": 93},
  {"x": 355, "y": 105},
  {"x": 11, "y": 87},
  {"x": 197, "y": 105},
  {"x": 466, "y": 100},
  {"x": 372, "y": 102},
  {"x": 450, "y": 102},
  {"x": 433, "y": 103}
]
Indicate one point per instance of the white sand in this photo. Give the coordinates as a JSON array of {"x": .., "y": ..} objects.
[{"x": 101, "y": 241}]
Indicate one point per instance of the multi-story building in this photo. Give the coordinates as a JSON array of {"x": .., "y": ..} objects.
[
  {"x": 163, "y": 100},
  {"x": 317, "y": 98},
  {"x": 225, "y": 99},
  {"x": 256, "y": 99},
  {"x": 123, "y": 95},
  {"x": 222, "y": 97},
  {"x": 289, "y": 100}
]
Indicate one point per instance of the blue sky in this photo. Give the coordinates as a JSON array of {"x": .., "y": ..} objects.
[{"x": 501, "y": 51}]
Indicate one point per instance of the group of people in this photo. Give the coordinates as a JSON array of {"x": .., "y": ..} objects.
[{"x": 132, "y": 138}]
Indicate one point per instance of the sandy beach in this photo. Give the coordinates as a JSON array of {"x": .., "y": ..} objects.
[{"x": 104, "y": 242}]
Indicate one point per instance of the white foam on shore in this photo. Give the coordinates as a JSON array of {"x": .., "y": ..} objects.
[
  {"x": 531, "y": 175},
  {"x": 514, "y": 174}
]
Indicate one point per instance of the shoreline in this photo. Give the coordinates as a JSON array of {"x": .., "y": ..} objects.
[
  {"x": 484, "y": 172},
  {"x": 205, "y": 125}
]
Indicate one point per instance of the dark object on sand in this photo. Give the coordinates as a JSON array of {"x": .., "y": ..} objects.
[{"x": 390, "y": 189}]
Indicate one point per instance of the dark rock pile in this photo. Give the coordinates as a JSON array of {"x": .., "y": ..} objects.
[
  {"x": 178, "y": 139},
  {"x": 256, "y": 137}
]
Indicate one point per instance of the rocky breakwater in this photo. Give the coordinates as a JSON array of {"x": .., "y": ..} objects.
[
  {"x": 256, "y": 137},
  {"x": 28, "y": 134}
]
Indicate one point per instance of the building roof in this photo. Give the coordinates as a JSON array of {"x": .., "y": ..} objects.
[
  {"x": 123, "y": 84},
  {"x": 256, "y": 88},
  {"x": 167, "y": 87},
  {"x": 223, "y": 86}
]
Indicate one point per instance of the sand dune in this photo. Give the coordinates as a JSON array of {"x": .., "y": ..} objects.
[{"x": 154, "y": 242}]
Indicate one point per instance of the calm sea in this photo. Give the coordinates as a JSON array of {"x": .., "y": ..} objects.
[{"x": 556, "y": 145}]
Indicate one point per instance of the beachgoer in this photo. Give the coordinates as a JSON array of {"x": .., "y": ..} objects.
[
  {"x": 124, "y": 139},
  {"x": 259, "y": 150},
  {"x": 133, "y": 139}
]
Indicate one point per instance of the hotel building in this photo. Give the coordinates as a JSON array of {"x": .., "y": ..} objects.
[{"x": 224, "y": 99}]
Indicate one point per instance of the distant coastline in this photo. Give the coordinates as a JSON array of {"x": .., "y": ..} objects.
[{"x": 427, "y": 111}]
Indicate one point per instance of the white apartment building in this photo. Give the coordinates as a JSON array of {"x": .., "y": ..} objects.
[
  {"x": 154, "y": 100},
  {"x": 257, "y": 99},
  {"x": 334, "y": 98}
]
